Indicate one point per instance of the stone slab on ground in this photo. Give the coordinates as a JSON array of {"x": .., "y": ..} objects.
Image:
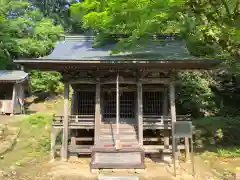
[{"x": 101, "y": 177}]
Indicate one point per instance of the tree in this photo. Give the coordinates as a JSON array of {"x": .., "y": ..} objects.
[
  {"x": 209, "y": 22},
  {"x": 24, "y": 31},
  {"x": 129, "y": 17},
  {"x": 54, "y": 9}
]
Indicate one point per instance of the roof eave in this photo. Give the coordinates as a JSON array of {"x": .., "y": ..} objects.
[{"x": 66, "y": 61}]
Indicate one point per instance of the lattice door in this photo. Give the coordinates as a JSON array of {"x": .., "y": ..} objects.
[
  {"x": 127, "y": 106},
  {"x": 85, "y": 103},
  {"x": 152, "y": 103}
]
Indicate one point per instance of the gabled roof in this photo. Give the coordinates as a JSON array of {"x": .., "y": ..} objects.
[
  {"x": 82, "y": 48},
  {"x": 12, "y": 76},
  {"x": 167, "y": 51}
]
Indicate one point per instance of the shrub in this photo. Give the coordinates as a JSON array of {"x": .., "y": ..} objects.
[
  {"x": 39, "y": 119},
  {"x": 46, "y": 82},
  {"x": 219, "y": 131}
]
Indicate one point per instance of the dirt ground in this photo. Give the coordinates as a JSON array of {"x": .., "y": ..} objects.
[
  {"x": 4, "y": 119},
  {"x": 79, "y": 170}
]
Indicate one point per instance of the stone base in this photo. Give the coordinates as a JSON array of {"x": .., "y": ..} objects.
[{"x": 110, "y": 158}]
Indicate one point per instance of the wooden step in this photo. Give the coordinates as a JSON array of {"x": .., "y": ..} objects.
[
  {"x": 120, "y": 130},
  {"x": 121, "y": 137},
  {"x": 120, "y": 133},
  {"x": 121, "y": 126}
]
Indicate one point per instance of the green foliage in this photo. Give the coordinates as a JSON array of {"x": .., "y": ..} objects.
[
  {"x": 228, "y": 152},
  {"x": 213, "y": 25},
  {"x": 218, "y": 131},
  {"x": 134, "y": 19},
  {"x": 46, "y": 82},
  {"x": 39, "y": 123},
  {"x": 54, "y": 9},
  {"x": 194, "y": 94},
  {"x": 39, "y": 119},
  {"x": 24, "y": 31}
]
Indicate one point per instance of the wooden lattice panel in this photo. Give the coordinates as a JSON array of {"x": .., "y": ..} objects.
[
  {"x": 152, "y": 103},
  {"x": 85, "y": 103},
  {"x": 127, "y": 105}
]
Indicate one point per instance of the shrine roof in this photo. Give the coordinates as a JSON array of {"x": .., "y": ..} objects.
[
  {"x": 79, "y": 49},
  {"x": 12, "y": 76}
]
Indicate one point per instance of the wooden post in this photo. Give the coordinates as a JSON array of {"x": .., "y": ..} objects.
[
  {"x": 117, "y": 142},
  {"x": 165, "y": 113},
  {"x": 73, "y": 103},
  {"x": 140, "y": 112},
  {"x": 53, "y": 143},
  {"x": 65, "y": 123},
  {"x": 97, "y": 113},
  {"x": 173, "y": 115},
  {"x": 187, "y": 151},
  {"x": 14, "y": 99},
  {"x": 21, "y": 98}
]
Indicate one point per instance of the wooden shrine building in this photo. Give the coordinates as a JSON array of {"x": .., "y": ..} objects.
[
  {"x": 12, "y": 88},
  {"x": 122, "y": 105}
]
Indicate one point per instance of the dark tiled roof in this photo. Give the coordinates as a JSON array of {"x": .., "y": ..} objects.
[
  {"x": 12, "y": 76},
  {"x": 82, "y": 48}
]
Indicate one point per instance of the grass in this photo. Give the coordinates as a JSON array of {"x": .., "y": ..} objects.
[
  {"x": 231, "y": 152},
  {"x": 33, "y": 140},
  {"x": 225, "y": 160}
]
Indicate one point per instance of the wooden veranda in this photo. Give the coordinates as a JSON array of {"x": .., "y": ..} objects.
[{"x": 122, "y": 106}]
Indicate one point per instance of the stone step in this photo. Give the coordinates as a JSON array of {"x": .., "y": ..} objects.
[{"x": 120, "y": 159}]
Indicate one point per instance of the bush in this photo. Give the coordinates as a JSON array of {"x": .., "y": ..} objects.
[
  {"x": 39, "y": 119},
  {"x": 46, "y": 82},
  {"x": 194, "y": 95},
  {"x": 218, "y": 131}
]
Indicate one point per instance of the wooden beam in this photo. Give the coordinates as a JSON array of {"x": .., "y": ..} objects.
[
  {"x": 97, "y": 113},
  {"x": 65, "y": 123},
  {"x": 125, "y": 80},
  {"x": 140, "y": 112}
]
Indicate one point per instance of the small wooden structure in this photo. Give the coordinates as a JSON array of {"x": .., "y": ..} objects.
[
  {"x": 123, "y": 105},
  {"x": 12, "y": 85}
]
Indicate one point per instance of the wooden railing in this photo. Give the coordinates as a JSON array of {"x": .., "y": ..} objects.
[
  {"x": 161, "y": 122},
  {"x": 75, "y": 121},
  {"x": 87, "y": 121}
]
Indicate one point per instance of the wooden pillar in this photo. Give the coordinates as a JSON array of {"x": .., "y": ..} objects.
[
  {"x": 187, "y": 151},
  {"x": 97, "y": 113},
  {"x": 53, "y": 143},
  {"x": 165, "y": 113},
  {"x": 65, "y": 123},
  {"x": 14, "y": 98},
  {"x": 117, "y": 142},
  {"x": 140, "y": 112},
  {"x": 173, "y": 114},
  {"x": 21, "y": 98},
  {"x": 73, "y": 102}
]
